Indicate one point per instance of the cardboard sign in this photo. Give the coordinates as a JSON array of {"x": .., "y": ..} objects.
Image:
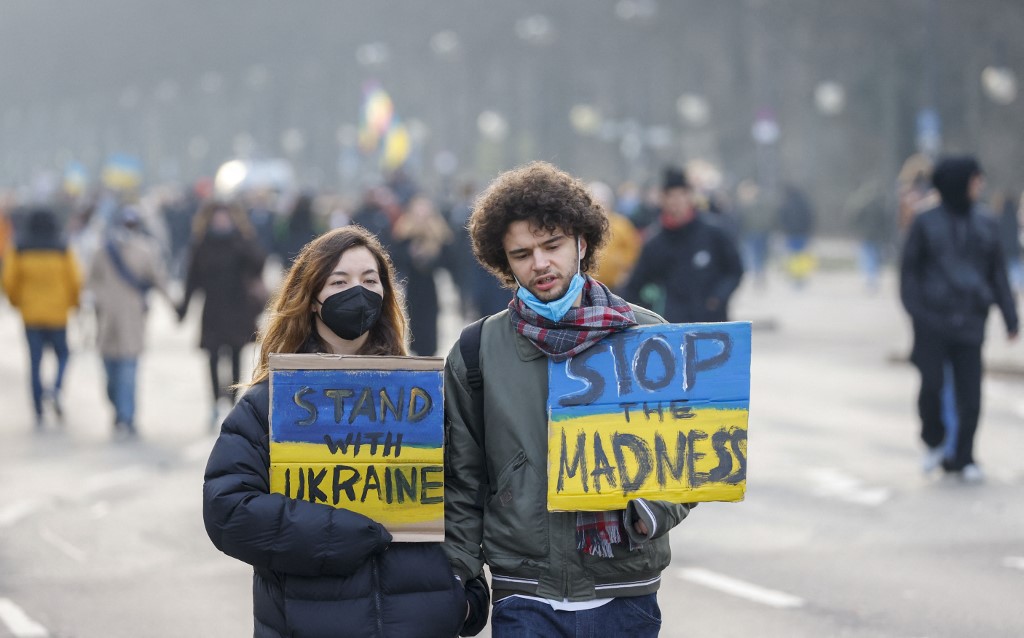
[
  {"x": 657, "y": 412},
  {"x": 364, "y": 434}
]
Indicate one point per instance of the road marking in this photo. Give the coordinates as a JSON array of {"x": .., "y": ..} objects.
[
  {"x": 742, "y": 589},
  {"x": 18, "y": 622},
  {"x": 1014, "y": 562},
  {"x": 64, "y": 546},
  {"x": 200, "y": 450},
  {"x": 11, "y": 514},
  {"x": 835, "y": 483},
  {"x": 115, "y": 478}
]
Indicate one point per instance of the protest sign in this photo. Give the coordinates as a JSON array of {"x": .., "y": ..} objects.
[
  {"x": 364, "y": 434},
  {"x": 657, "y": 412}
]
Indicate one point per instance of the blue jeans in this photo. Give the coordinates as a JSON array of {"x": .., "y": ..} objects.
[
  {"x": 871, "y": 262},
  {"x": 38, "y": 339},
  {"x": 637, "y": 616},
  {"x": 949, "y": 416},
  {"x": 121, "y": 389}
]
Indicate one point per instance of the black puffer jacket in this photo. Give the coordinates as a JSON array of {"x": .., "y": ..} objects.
[
  {"x": 696, "y": 264},
  {"x": 952, "y": 272},
  {"x": 318, "y": 571}
]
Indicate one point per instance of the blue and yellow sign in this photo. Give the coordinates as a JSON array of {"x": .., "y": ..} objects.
[
  {"x": 657, "y": 412},
  {"x": 364, "y": 434}
]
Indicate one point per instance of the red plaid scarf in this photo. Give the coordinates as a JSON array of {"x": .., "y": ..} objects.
[{"x": 600, "y": 314}]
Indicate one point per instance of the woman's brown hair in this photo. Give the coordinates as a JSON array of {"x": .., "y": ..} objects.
[
  {"x": 201, "y": 222},
  {"x": 290, "y": 325}
]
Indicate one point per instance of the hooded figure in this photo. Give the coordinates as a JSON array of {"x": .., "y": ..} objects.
[
  {"x": 952, "y": 271},
  {"x": 953, "y": 179}
]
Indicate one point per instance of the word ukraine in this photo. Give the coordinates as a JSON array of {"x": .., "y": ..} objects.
[
  {"x": 656, "y": 412},
  {"x": 364, "y": 434}
]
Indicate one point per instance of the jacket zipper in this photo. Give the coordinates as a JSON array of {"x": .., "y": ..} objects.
[{"x": 377, "y": 600}]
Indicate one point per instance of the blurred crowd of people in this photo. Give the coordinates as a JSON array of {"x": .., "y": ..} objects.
[{"x": 679, "y": 245}]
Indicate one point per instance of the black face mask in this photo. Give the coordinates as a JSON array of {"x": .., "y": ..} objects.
[{"x": 351, "y": 313}]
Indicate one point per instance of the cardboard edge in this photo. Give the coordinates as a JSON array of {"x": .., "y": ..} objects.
[{"x": 320, "y": 361}]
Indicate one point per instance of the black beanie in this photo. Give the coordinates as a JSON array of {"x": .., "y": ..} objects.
[
  {"x": 674, "y": 178},
  {"x": 952, "y": 178}
]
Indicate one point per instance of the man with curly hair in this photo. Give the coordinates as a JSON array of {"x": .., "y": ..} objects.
[{"x": 538, "y": 230}]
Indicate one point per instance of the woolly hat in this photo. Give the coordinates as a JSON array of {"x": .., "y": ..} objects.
[
  {"x": 952, "y": 178},
  {"x": 674, "y": 178}
]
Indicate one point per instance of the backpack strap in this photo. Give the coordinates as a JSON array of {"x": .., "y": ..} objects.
[{"x": 469, "y": 346}]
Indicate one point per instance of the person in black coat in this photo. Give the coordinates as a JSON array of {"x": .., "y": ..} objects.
[
  {"x": 321, "y": 571},
  {"x": 226, "y": 265},
  {"x": 695, "y": 262},
  {"x": 952, "y": 271}
]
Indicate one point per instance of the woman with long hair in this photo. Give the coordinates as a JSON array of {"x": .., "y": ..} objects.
[
  {"x": 321, "y": 571},
  {"x": 226, "y": 265}
]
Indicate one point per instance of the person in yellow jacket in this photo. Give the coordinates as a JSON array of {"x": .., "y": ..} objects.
[
  {"x": 624, "y": 240},
  {"x": 42, "y": 280}
]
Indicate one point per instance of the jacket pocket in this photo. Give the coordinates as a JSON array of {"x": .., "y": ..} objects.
[{"x": 516, "y": 519}]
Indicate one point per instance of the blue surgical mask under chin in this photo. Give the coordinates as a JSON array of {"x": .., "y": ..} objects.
[{"x": 556, "y": 309}]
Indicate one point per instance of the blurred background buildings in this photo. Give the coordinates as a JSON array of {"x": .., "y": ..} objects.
[{"x": 826, "y": 94}]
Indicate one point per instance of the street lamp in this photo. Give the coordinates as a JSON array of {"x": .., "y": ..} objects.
[
  {"x": 492, "y": 125},
  {"x": 585, "y": 119},
  {"x": 693, "y": 109},
  {"x": 999, "y": 84},
  {"x": 536, "y": 29},
  {"x": 373, "y": 54},
  {"x": 830, "y": 97},
  {"x": 445, "y": 44}
]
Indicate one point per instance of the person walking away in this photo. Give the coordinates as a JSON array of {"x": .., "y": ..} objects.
[
  {"x": 952, "y": 271},
  {"x": 321, "y": 572},
  {"x": 297, "y": 229},
  {"x": 869, "y": 217},
  {"x": 755, "y": 221},
  {"x": 226, "y": 266},
  {"x": 695, "y": 263},
  {"x": 123, "y": 270},
  {"x": 796, "y": 221},
  {"x": 538, "y": 230},
  {"x": 42, "y": 279},
  {"x": 421, "y": 238},
  {"x": 1009, "y": 234},
  {"x": 624, "y": 241}
]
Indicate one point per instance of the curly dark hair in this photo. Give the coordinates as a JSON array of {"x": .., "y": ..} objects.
[{"x": 547, "y": 198}]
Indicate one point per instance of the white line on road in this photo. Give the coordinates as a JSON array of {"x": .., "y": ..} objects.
[
  {"x": 114, "y": 478},
  {"x": 834, "y": 483},
  {"x": 11, "y": 514},
  {"x": 200, "y": 450},
  {"x": 1014, "y": 562},
  {"x": 69, "y": 550},
  {"x": 18, "y": 622},
  {"x": 743, "y": 589}
]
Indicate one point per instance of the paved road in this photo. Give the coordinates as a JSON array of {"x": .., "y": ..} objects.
[{"x": 840, "y": 534}]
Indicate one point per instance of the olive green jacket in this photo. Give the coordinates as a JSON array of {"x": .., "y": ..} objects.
[{"x": 529, "y": 549}]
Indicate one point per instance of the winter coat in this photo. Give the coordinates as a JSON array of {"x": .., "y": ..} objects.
[
  {"x": 952, "y": 271},
  {"x": 42, "y": 280},
  {"x": 529, "y": 550},
  {"x": 228, "y": 270},
  {"x": 622, "y": 251},
  {"x": 696, "y": 263},
  {"x": 318, "y": 571},
  {"x": 121, "y": 305}
]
